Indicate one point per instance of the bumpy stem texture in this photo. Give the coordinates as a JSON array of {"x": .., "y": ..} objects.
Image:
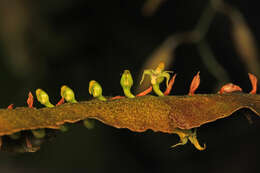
[{"x": 163, "y": 114}]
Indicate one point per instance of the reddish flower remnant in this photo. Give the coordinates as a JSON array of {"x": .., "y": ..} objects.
[
  {"x": 169, "y": 88},
  {"x": 228, "y": 88},
  {"x": 117, "y": 97},
  {"x": 11, "y": 106},
  {"x": 253, "y": 81},
  {"x": 30, "y": 100},
  {"x": 28, "y": 142},
  {"x": 194, "y": 84},
  {"x": 145, "y": 92},
  {"x": 61, "y": 101}
]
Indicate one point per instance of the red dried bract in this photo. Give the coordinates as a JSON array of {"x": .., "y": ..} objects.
[
  {"x": 169, "y": 88},
  {"x": 145, "y": 92},
  {"x": 228, "y": 88},
  {"x": 30, "y": 100},
  {"x": 194, "y": 84},
  {"x": 11, "y": 106},
  {"x": 60, "y": 102},
  {"x": 253, "y": 81},
  {"x": 117, "y": 97}
]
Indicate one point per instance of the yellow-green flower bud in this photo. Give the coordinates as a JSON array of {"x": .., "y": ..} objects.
[
  {"x": 43, "y": 98},
  {"x": 64, "y": 128},
  {"x": 39, "y": 133},
  {"x": 127, "y": 82},
  {"x": 15, "y": 136},
  {"x": 95, "y": 89},
  {"x": 88, "y": 123},
  {"x": 68, "y": 94}
]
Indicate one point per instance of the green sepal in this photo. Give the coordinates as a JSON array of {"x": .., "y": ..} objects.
[{"x": 156, "y": 89}]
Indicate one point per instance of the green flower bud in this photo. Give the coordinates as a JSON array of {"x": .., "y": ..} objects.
[
  {"x": 68, "y": 94},
  {"x": 64, "y": 128},
  {"x": 39, "y": 133},
  {"x": 43, "y": 98},
  {"x": 15, "y": 136},
  {"x": 126, "y": 83},
  {"x": 95, "y": 89},
  {"x": 88, "y": 123}
]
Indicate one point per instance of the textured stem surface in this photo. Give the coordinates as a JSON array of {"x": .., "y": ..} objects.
[{"x": 162, "y": 114}]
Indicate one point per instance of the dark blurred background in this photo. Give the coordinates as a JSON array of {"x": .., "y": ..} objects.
[{"x": 45, "y": 44}]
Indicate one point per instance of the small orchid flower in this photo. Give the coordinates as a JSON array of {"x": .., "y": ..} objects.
[
  {"x": 157, "y": 76},
  {"x": 126, "y": 83},
  {"x": 43, "y": 98},
  {"x": 95, "y": 89},
  {"x": 68, "y": 94},
  {"x": 188, "y": 135}
]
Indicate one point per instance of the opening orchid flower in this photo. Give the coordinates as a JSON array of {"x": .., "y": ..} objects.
[
  {"x": 157, "y": 76},
  {"x": 188, "y": 135}
]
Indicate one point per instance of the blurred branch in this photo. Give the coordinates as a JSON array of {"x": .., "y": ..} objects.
[
  {"x": 243, "y": 40},
  {"x": 151, "y": 6},
  {"x": 204, "y": 22},
  {"x": 165, "y": 52},
  {"x": 210, "y": 61},
  {"x": 13, "y": 26}
]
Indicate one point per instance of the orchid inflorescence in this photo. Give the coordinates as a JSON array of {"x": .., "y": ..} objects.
[
  {"x": 95, "y": 89},
  {"x": 157, "y": 77}
]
